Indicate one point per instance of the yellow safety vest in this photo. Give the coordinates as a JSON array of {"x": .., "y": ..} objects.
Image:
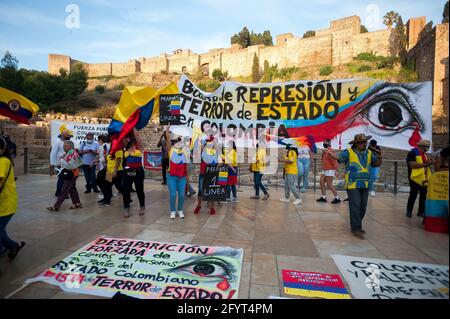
[
  {"x": 420, "y": 175},
  {"x": 357, "y": 176}
]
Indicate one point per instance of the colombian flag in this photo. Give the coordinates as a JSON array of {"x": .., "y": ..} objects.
[
  {"x": 16, "y": 107},
  {"x": 136, "y": 107},
  {"x": 223, "y": 178}
]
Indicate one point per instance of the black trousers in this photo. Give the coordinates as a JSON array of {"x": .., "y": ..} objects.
[
  {"x": 357, "y": 202},
  {"x": 165, "y": 166},
  {"x": 118, "y": 180},
  {"x": 415, "y": 189},
  {"x": 101, "y": 180},
  {"x": 138, "y": 181}
]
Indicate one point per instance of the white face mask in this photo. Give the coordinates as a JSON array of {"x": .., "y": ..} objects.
[
  {"x": 90, "y": 141},
  {"x": 210, "y": 145}
]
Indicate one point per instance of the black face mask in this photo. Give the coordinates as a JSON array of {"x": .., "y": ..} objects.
[{"x": 326, "y": 145}]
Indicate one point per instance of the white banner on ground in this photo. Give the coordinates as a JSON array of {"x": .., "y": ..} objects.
[
  {"x": 77, "y": 130},
  {"x": 370, "y": 278}
]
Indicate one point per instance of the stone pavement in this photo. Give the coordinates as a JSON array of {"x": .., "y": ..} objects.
[{"x": 274, "y": 235}]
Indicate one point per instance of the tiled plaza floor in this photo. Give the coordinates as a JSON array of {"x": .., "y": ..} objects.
[{"x": 274, "y": 235}]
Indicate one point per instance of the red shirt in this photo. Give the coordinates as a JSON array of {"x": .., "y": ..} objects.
[{"x": 329, "y": 163}]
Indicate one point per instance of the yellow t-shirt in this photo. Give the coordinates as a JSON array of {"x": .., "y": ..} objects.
[
  {"x": 260, "y": 161},
  {"x": 291, "y": 168},
  {"x": 8, "y": 196},
  {"x": 230, "y": 158},
  {"x": 111, "y": 163}
]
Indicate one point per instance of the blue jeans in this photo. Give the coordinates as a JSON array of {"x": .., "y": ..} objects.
[
  {"x": 5, "y": 241},
  {"x": 231, "y": 189},
  {"x": 90, "y": 176},
  {"x": 373, "y": 177},
  {"x": 176, "y": 184},
  {"x": 257, "y": 177},
  {"x": 289, "y": 186},
  {"x": 303, "y": 165}
]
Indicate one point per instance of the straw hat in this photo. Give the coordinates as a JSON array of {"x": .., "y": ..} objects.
[
  {"x": 424, "y": 143},
  {"x": 360, "y": 138}
]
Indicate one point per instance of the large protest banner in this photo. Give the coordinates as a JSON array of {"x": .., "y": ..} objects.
[
  {"x": 397, "y": 115},
  {"x": 313, "y": 285},
  {"x": 77, "y": 130},
  {"x": 391, "y": 279},
  {"x": 148, "y": 270}
]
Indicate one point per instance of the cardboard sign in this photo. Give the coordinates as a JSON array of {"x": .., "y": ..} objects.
[
  {"x": 313, "y": 284},
  {"x": 152, "y": 160},
  {"x": 214, "y": 183},
  {"x": 148, "y": 270},
  {"x": 169, "y": 109},
  {"x": 370, "y": 278}
]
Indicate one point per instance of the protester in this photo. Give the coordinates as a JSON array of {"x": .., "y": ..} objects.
[
  {"x": 8, "y": 201},
  {"x": 165, "y": 157},
  {"x": 210, "y": 156},
  {"x": 11, "y": 145},
  {"x": 133, "y": 172},
  {"x": 89, "y": 149},
  {"x": 69, "y": 163},
  {"x": 374, "y": 170},
  {"x": 329, "y": 168},
  {"x": 177, "y": 178},
  {"x": 114, "y": 174},
  {"x": 56, "y": 153},
  {"x": 101, "y": 162},
  {"x": 305, "y": 157},
  {"x": 258, "y": 170},
  {"x": 290, "y": 174},
  {"x": 358, "y": 160},
  {"x": 230, "y": 159},
  {"x": 189, "y": 189},
  {"x": 418, "y": 175}
]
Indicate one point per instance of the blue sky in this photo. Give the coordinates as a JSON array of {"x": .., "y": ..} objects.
[{"x": 118, "y": 30}]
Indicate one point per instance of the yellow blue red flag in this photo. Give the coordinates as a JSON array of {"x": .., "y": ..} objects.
[{"x": 16, "y": 106}]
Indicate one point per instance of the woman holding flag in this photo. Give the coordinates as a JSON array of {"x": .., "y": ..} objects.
[
  {"x": 177, "y": 177},
  {"x": 133, "y": 172}
]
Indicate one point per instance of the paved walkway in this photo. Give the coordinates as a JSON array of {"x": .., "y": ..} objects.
[{"x": 274, "y": 235}]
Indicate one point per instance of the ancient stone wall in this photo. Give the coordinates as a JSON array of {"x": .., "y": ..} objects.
[
  {"x": 58, "y": 61},
  {"x": 413, "y": 28}
]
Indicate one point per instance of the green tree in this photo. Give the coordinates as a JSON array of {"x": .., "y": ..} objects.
[
  {"x": 267, "y": 38},
  {"x": 267, "y": 75},
  {"x": 400, "y": 40},
  {"x": 9, "y": 61},
  {"x": 390, "y": 18},
  {"x": 309, "y": 34},
  {"x": 218, "y": 75},
  {"x": 256, "y": 76},
  {"x": 364, "y": 29},
  {"x": 445, "y": 18},
  {"x": 245, "y": 38}
]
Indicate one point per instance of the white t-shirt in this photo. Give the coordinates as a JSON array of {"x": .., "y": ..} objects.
[
  {"x": 57, "y": 152},
  {"x": 303, "y": 152},
  {"x": 103, "y": 149}
]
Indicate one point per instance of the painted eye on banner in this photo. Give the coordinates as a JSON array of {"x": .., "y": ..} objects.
[
  {"x": 390, "y": 110},
  {"x": 208, "y": 267}
]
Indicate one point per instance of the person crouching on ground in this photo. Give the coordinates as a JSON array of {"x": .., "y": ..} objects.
[
  {"x": 8, "y": 201},
  {"x": 329, "y": 167},
  {"x": 133, "y": 172},
  {"x": 177, "y": 174},
  {"x": 358, "y": 160},
  {"x": 290, "y": 175},
  {"x": 210, "y": 156},
  {"x": 70, "y": 163}
]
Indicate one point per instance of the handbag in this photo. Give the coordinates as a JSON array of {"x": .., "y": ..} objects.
[{"x": 66, "y": 174}]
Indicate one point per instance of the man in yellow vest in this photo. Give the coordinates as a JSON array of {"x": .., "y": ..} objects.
[
  {"x": 358, "y": 160},
  {"x": 418, "y": 175}
]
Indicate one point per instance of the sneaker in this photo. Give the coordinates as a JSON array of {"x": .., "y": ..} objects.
[
  {"x": 191, "y": 193},
  {"x": 100, "y": 197},
  {"x": 101, "y": 201},
  {"x": 105, "y": 205},
  {"x": 321, "y": 200},
  {"x": 358, "y": 234},
  {"x": 13, "y": 253},
  {"x": 372, "y": 193},
  {"x": 197, "y": 209},
  {"x": 409, "y": 214},
  {"x": 284, "y": 200},
  {"x": 266, "y": 196},
  {"x": 297, "y": 202},
  {"x": 234, "y": 199},
  {"x": 181, "y": 214},
  {"x": 173, "y": 215},
  {"x": 212, "y": 211},
  {"x": 336, "y": 201}
]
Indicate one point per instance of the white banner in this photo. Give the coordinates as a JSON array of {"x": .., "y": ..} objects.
[
  {"x": 77, "y": 130},
  {"x": 391, "y": 279}
]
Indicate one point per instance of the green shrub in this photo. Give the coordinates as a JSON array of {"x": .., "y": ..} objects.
[
  {"x": 87, "y": 102},
  {"x": 100, "y": 89},
  {"x": 326, "y": 70},
  {"x": 283, "y": 73},
  {"x": 209, "y": 85},
  {"x": 218, "y": 75},
  {"x": 364, "y": 68},
  {"x": 367, "y": 56},
  {"x": 407, "y": 74},
  {"x": 386, "y": 62}
]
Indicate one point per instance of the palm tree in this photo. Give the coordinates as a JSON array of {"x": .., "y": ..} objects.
[{"x": 390, "y": 18}]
